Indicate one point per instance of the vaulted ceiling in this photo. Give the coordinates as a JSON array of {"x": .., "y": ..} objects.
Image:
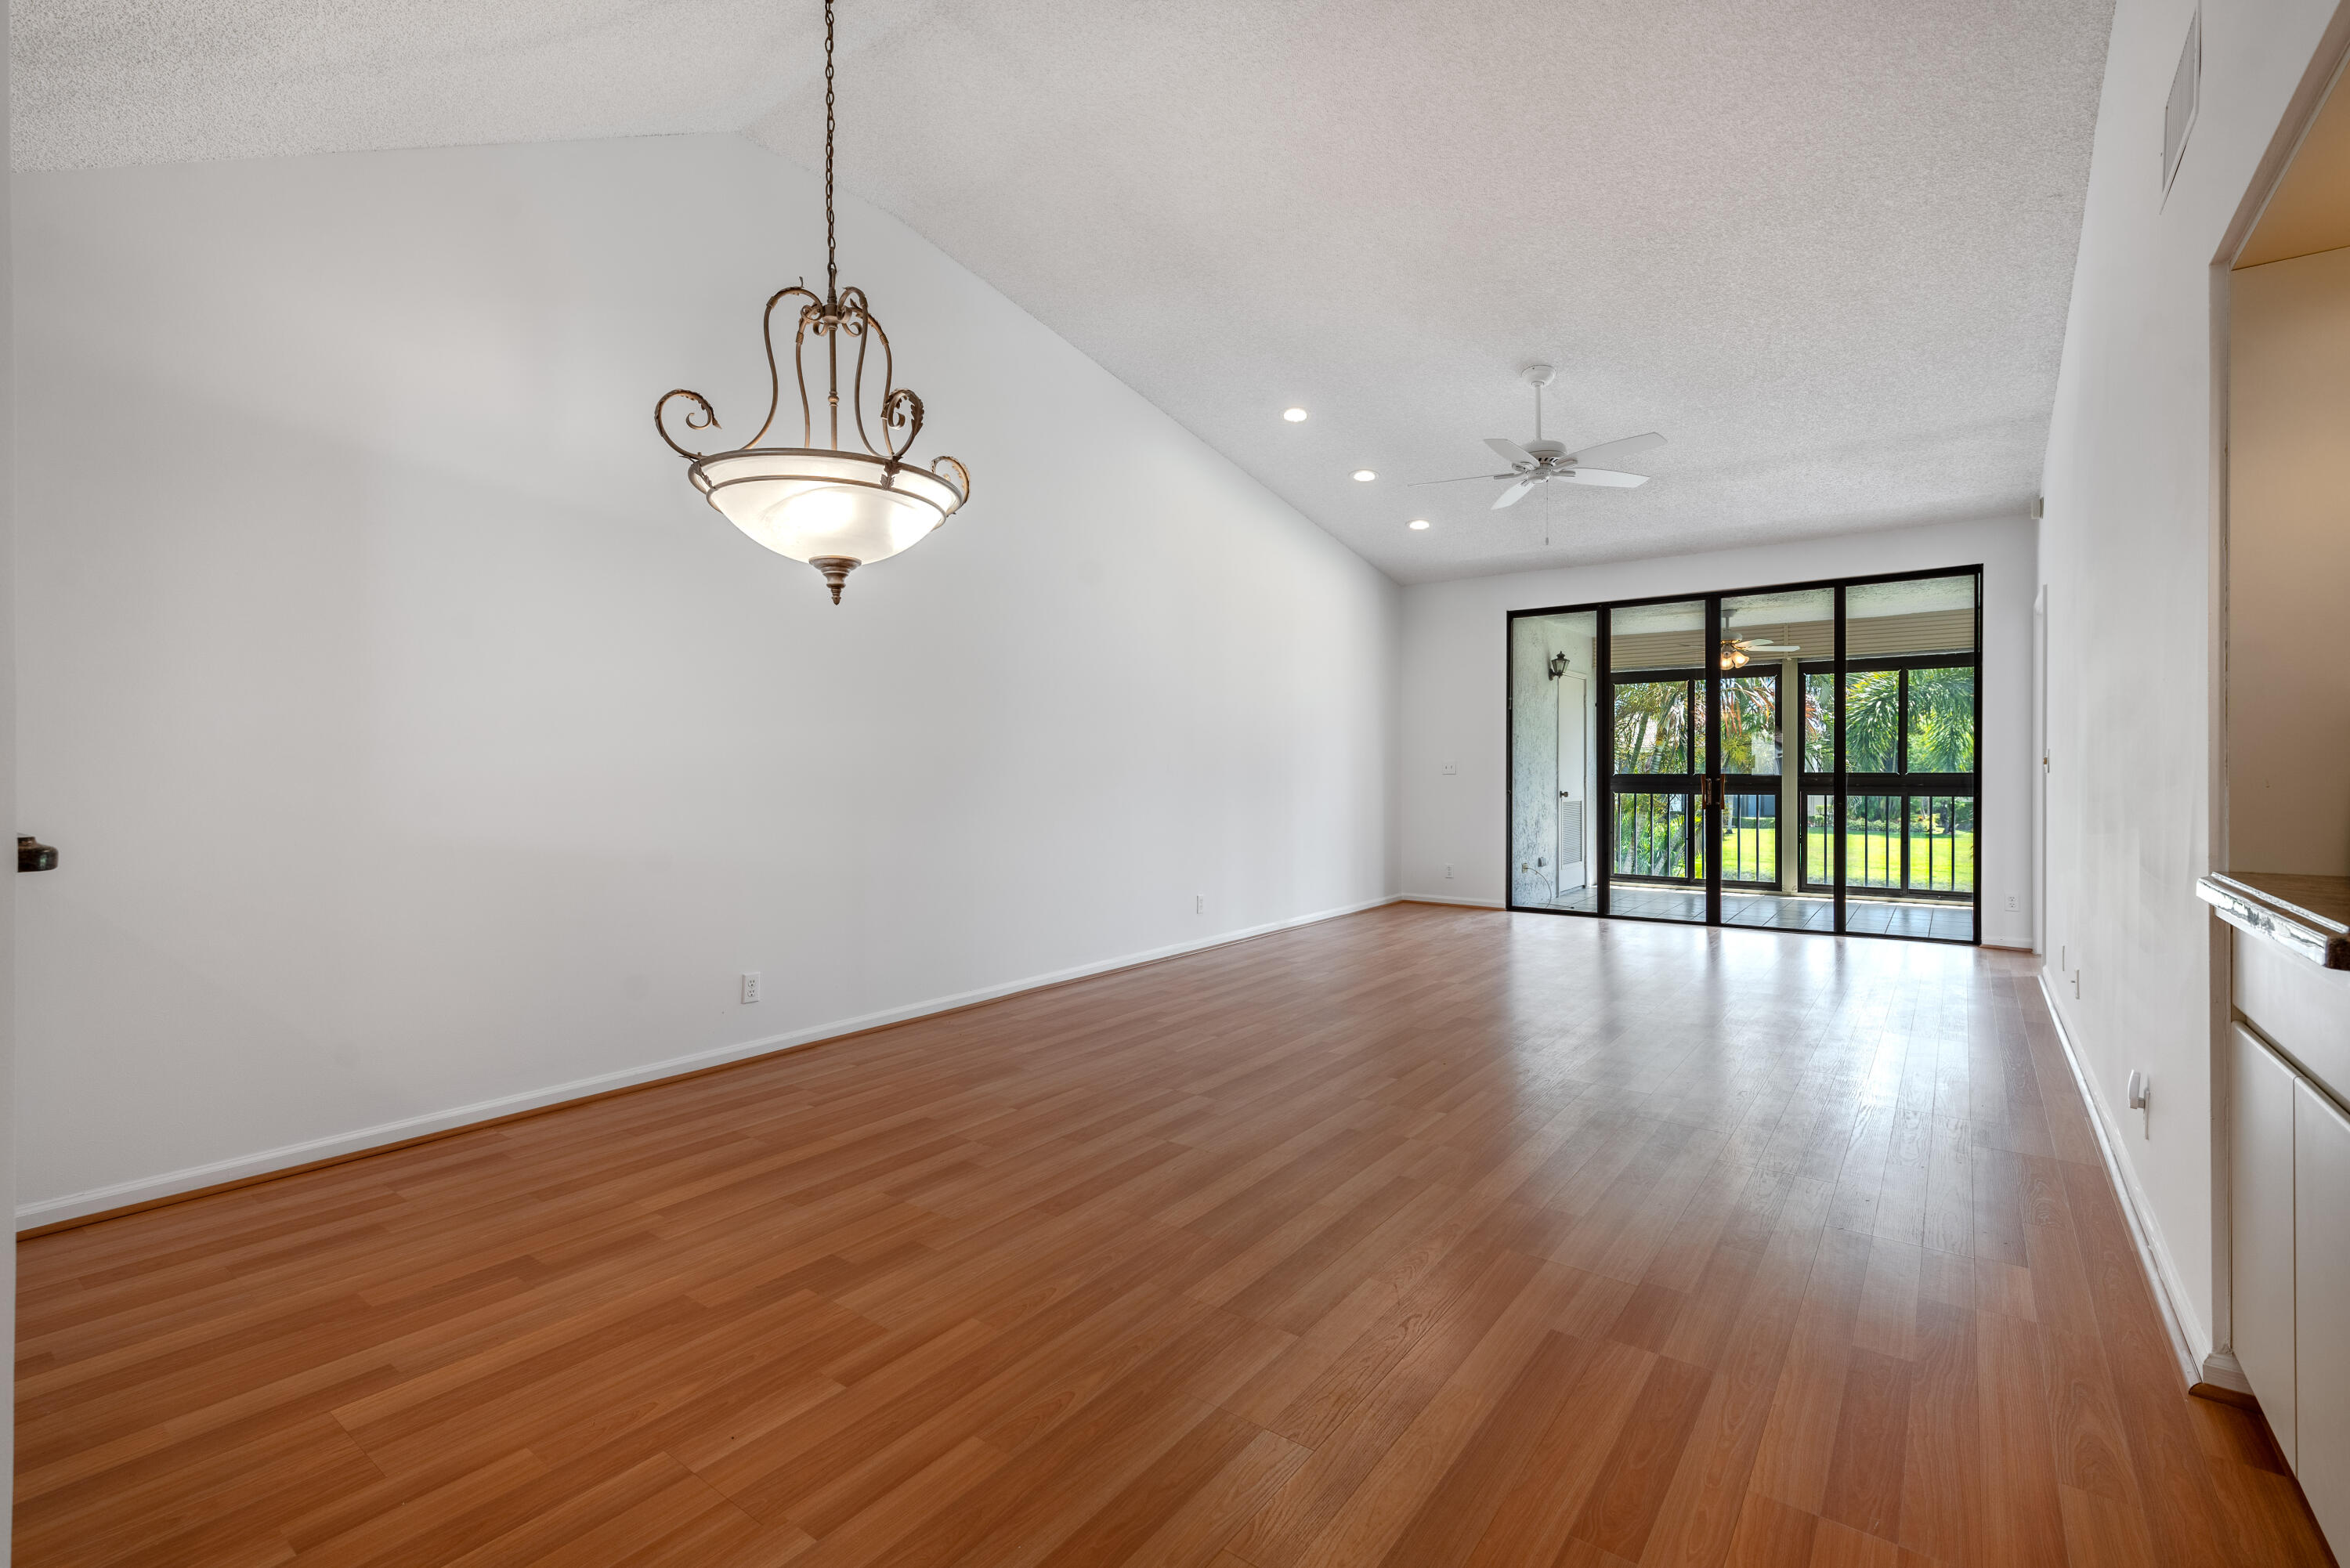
[{"x": 1825, "y": 246}]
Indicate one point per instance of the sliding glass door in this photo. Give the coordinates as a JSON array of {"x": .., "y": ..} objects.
[
  {"x": 1777, "y": 658},
  {"x": 1660, "y": 704},
  {"x": 1555, "y": 791},
  {"x": 1910, "y": 719},
  {"x": 1800, "y": 758}
]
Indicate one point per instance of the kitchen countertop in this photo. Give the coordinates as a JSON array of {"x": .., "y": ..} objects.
[{"x": 2306, "y": 915}]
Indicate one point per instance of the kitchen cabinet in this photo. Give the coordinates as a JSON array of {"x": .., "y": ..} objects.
[
  {"x": 2321, "y": 1226},
  {"x": 2289, "y": 1168},
  {"x": 2261, "y": 1128}
]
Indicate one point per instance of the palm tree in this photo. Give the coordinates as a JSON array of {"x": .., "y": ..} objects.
[
  {"x": 1652, "y": 727},
  {"x": 1750, "y": 724},
  {"x": 1872, "y": 721},
  {"x": 1941, "y": 720}
]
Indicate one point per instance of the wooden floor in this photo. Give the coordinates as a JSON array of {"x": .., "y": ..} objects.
[{"x": 1427, "y": 1237}]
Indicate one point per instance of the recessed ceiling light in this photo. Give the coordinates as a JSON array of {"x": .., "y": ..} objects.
[
  {"x": 1365, "y": 475},
  {"x": 1293, "y": 415},
  {"x": 1419, "y": 522}
]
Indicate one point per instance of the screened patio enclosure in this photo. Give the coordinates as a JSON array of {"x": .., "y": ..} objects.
[{"x": 1800, "y": 757}]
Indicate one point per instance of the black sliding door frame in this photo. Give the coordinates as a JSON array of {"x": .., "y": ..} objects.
[
  {"x": 1706, "y": 789},
  {"x": 1604, "y": 803},
  {"x": 1838, "y": 845},
  {"x": 1709, "y": 808},
  {"x": 1737, "y": 786}
]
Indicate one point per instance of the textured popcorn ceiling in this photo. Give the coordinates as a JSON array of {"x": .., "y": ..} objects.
[{"x": 1824, "y": 246}]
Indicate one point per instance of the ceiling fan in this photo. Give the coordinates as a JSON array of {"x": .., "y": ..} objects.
[
  {"x": 1540, "y": 461},
  {"x": 1735, "y": 650}
]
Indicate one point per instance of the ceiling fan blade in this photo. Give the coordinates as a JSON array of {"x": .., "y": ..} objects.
[
  {"x": 1510, "y": 497},
  {"x": 1465, "y": 479},
  {"x": 1607, "y": 476},
  {"x": 1612, "y": 450},
  {"x": 1511, "y": 453},
  {"x": 1771, "y": 646}
]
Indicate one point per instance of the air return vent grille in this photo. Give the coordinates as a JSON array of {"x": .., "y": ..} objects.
[{"x": 2179, "y": 114}]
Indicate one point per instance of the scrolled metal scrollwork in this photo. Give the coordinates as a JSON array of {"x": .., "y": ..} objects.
[
  {"x": 775, "y": 376},
  {"x": 707, "y": 420},
  {"x": 900, "y": 409},
  {"x": 962, "y": 474},
  {"x": 856, "y": 310},
  {"x": 869, "y": 332},
  {"x": 847, "y": 315}
]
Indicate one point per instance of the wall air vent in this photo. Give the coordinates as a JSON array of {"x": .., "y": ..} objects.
[{"x": 2178, "y": 113}]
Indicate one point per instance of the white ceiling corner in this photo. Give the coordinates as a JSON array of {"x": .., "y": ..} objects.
[{"x": 1824, "y": 246}]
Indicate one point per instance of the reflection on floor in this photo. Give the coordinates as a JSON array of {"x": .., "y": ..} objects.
[
  {"x": 1585, "y": 897},
  {"x": 1656, "y": 903},
  {"x": 1780, "y": 911},
  {"x": 1872, "y": 916},
  {"x": 1789, "y": 911}
]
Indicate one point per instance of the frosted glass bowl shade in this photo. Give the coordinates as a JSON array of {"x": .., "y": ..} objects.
[{"x": 812, "y": 505}]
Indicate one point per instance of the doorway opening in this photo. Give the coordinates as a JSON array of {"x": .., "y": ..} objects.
[{"x": 1798, "y": 758}]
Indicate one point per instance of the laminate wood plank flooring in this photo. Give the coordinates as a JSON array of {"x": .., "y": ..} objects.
[{"x": 1428, "y": 1238}]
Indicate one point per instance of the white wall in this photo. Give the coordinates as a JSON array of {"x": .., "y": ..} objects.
[
  {"x": 419, "y": 746},
  {"x": 2289, "y": 566},
  {"x": 2128, "y": 551},
  {"x": 1455, "y": 707},
  {"x": 7, "y": 788}
]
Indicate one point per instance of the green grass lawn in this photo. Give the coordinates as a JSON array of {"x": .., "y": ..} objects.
[{"x": 1871, "y": 860}]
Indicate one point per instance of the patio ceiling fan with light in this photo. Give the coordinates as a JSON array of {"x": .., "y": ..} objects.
[
  {"x": 1735, "y": 650},
  {"x": 1541, "y": 460}
]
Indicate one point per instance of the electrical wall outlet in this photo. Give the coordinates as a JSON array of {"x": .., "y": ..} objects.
[
  {"x": 1447, "y": 871},
  {"x": 1452, "y": 767},
  {"x": 1199, "y": 903},
  {"x": 2012, "y": 904},
  {"x": 751, "y": 987}
]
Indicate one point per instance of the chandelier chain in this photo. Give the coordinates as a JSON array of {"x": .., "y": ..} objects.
[{"x": 831, "y": 251}]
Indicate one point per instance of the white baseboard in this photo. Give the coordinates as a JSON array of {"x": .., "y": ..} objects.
[
  {"x": 2222, "y": 1368},
  {"x": 1444, "y": 899},
  {"x": 2197, "y": 1363},
  {"x": 169, "y": 1184}
]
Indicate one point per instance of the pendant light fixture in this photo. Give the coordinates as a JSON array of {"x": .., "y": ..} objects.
[{"x": 837, "y": 507}]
